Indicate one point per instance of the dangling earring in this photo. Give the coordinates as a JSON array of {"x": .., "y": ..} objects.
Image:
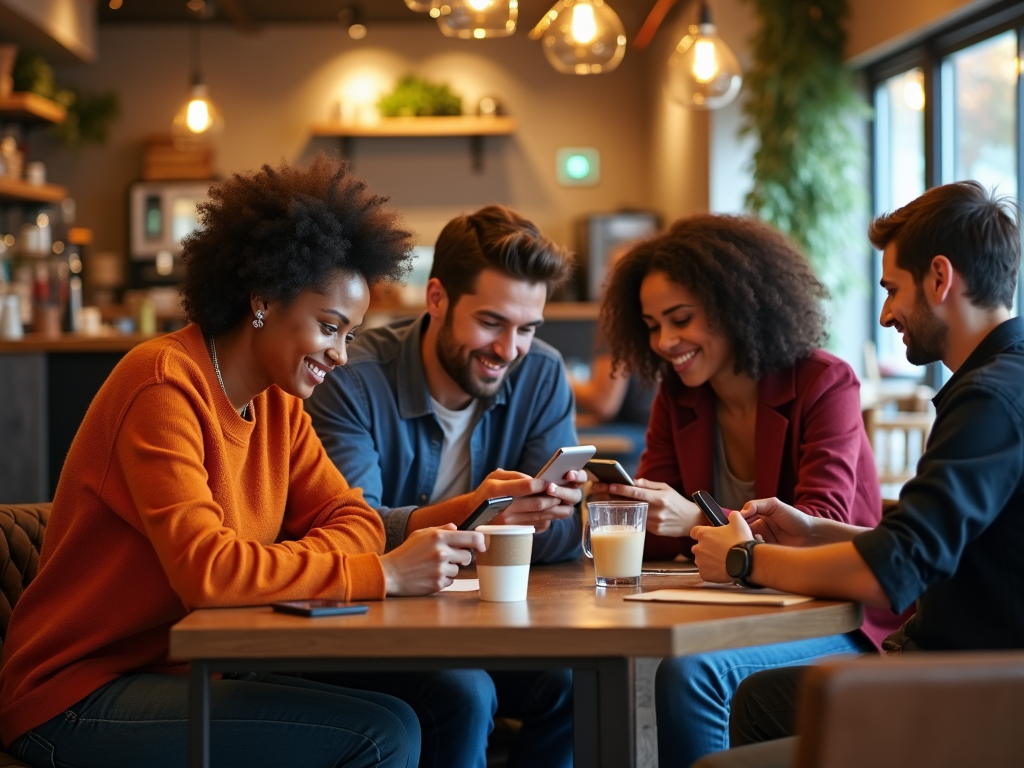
[{"x": 258, "y": 322}]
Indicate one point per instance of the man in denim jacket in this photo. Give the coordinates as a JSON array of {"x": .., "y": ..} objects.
[{"x": 433, "y": 415}]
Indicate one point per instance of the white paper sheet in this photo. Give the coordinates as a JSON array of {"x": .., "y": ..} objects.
[
  {"x": 720, "y": 597},
  {"x": 463, "y": 585}
]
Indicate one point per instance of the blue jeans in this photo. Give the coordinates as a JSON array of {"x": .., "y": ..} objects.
[
  {"x": 692, "y": 694},
  {"x": 257, "y": 720},
  {"x": 456, "y": 710}
]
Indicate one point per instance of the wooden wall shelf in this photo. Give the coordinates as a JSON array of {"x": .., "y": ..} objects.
[
  {"x": 22, "y": 191},
  {"x": 409, "y": 127},
  {"x": 31, "y": 108},
  {"x": 470, "y": 126}
]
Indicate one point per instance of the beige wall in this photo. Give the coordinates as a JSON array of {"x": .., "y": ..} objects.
[
  {"x": 877, "y": 27},
  {"x": 272, "y": 86}
]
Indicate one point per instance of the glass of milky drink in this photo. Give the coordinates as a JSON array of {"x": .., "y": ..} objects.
[
  {"x": 614, "y": 538},
  {"x": 504, "y": 567}
]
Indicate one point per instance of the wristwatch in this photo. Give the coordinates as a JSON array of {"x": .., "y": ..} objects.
[{"x": 738, "y": 562}]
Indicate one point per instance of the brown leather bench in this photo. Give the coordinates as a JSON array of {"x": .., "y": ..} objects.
[{"x": 23, "y": 527}]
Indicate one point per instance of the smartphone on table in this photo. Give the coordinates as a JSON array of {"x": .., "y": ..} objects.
[
  {"x": 710, "y": 508},
  {"x": 566, "y": 460},
  {"x": 315, "y": 608},
  {"x": 483, "y": 514},
  {"x": 608, "y": 471}
]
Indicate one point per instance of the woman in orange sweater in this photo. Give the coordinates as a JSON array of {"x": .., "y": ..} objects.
[{"x": 196, "y": 480}]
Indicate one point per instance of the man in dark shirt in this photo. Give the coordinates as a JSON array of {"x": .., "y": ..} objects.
[{"x": 950, "y": 264}]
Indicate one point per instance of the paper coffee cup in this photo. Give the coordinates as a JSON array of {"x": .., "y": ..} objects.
[{"x": 504, "y": 568}]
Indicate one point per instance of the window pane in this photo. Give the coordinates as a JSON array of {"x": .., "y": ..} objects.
[
  {"x": 980, "y": 123},
  {"x": 899, "y": 178}
]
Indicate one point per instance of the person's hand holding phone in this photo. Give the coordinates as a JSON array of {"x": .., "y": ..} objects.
[
  {"x": 669, "y": 513},
  {"x": 537, "y": 502},
  {"x": 428, "y": 560},
  {"x": 714, "y": 542}
]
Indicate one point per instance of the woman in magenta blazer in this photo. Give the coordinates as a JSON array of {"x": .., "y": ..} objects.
[{"x": 728, "y": 314}]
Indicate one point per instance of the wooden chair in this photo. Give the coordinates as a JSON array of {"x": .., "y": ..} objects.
[
  {"x": 927, "y": 710},
  {"x": 23, "y": 527},
  {"x": 898, "y": 439}
]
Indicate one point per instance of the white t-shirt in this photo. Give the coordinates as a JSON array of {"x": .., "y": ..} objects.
[{"x": 453, "y": 474}]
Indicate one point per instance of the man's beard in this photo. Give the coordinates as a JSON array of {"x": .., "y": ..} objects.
[
  {"x": 927, "y": 336},
  {"x": 457, "y": 362}
]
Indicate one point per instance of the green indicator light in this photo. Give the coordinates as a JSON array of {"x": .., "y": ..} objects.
[{"x": 577, "y": 167}]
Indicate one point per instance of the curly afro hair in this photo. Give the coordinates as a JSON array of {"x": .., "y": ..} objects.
[
  {"x": 758, "y": 292},
  {"x": 275, "y": 232}
]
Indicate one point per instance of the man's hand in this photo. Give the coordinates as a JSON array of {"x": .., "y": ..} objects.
[
  {"x": 778, "y": 523},
  {"x": 713, "y": 543},
  {"x": 537, "y": 502},
  {"x": 668, "y": 512},
  {"x": 429, "y": 560}
]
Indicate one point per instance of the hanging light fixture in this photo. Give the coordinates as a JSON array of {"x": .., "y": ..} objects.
[
  {"x": 422, "y": 6},
  {"x": 703, "y": 72},
  {"x": 477, "y": 19},
  {"x": 198, "y": 121},
  {"x": 581, "y": 37}
]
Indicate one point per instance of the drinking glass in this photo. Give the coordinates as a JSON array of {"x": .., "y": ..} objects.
[{"x": 614, "y": 538}]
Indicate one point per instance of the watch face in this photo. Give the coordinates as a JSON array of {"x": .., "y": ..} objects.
[{"x": 736, "y": 562}]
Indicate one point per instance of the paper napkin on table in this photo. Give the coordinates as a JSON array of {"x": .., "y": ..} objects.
[
  {"x": 463, "y": 585},
  {"x": 720, "y": 597}
]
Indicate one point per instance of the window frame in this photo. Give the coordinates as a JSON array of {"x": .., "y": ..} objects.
[{"x": 929, "y": 54}]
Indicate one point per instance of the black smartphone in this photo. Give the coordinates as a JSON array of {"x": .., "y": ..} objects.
[
  {"x": 608, "y": 471},
  {"x": 314, "y": 608},
  {"x": 710, "y": 508},
  {"x": 486, "y": 512}
]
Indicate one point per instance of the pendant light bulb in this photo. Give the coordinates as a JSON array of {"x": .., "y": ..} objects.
[
  {"x": 476, "y": 19},
  {"x": 703, "y": 72},
  {"x": 581, "y": 37},
  {"x": 198, "y": 122}
]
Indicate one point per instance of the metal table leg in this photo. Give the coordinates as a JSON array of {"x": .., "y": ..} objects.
[
  {"x": 199, "y": 715},
  {"x": 603, "y": 715}
]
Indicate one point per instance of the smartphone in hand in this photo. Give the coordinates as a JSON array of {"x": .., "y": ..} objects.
[
  {"x": 315, "y": 608},
  {"x": 710, "y": 508},
  {"x": 487, "y": 511},
  {"x": 609, "y": 471},
  {"x": 564, "y": 461}
]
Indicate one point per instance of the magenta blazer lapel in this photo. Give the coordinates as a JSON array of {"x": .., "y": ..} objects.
[{"x": 774, "y": 390}]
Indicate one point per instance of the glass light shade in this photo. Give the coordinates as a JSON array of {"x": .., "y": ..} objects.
[
  {"x": 477, "y": 19},
  {"x": 422, "y": 6},
  {"x": 581, "y": 37},
  {"x": 703, "y": 72},
  {"x": 198, "y": 121}
]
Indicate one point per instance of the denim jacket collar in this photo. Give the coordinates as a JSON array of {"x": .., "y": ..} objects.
[{"x": 413, "y": 392}]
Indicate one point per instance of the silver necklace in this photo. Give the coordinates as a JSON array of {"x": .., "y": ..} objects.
[{"x": 216, "y": 370}]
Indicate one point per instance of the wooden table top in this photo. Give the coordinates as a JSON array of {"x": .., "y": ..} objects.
[{"x": 565, "y": 615}]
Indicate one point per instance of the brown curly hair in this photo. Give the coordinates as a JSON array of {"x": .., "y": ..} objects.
[
  {"x": 758, "y": 291},
  {"x": 280, "y": 230}
]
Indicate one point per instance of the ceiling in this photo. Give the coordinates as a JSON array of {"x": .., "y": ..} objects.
[{"x": 251, "y": 14}]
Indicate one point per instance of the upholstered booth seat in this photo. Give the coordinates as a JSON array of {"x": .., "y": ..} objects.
[{"x": 23, "y": 527}]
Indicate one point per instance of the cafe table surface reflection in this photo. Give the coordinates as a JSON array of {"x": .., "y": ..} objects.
[{"x": 565, "y": 622}]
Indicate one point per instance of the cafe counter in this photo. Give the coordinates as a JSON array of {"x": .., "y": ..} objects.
[{"x": 46, "y": 385}]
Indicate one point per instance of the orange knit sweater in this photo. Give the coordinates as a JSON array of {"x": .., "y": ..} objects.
[{"x": 170, "y": 501}]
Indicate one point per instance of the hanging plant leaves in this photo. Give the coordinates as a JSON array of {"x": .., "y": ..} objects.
[{"x": 801, "y": 106}]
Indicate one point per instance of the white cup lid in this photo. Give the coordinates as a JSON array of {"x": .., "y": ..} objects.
[{"x": 505, "y": 529}]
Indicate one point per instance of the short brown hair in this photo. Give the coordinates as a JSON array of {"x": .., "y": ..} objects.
[
  {"x": 979, "y": 234},
  {"x": 758, "y": 291},
  {"x": 496, "y": 237}
]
